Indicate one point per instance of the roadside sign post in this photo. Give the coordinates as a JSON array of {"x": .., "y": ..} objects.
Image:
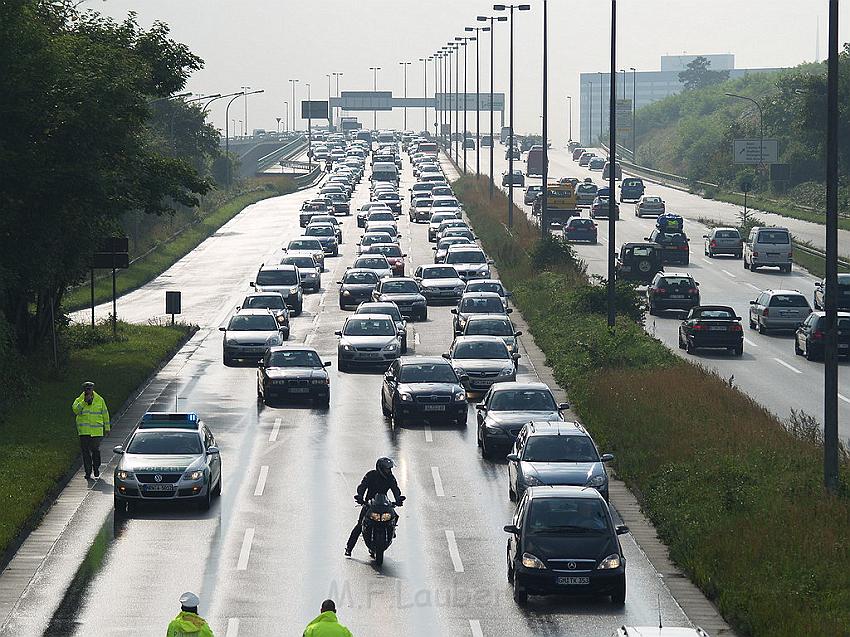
[
  {"x": 310, "y": 109},
  {"x": 113, "y": 255},
  {"x": 172, "y": 303},
  {"x": 755, "y": 151}
]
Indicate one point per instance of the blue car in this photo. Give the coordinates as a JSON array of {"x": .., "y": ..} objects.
[{"x": 631, "y": 189}]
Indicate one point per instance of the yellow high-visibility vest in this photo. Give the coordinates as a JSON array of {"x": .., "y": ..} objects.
[{"x": 92, "y": 419}]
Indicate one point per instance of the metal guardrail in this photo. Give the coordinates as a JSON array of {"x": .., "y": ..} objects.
[
  {"x": 820, "y": 254},
  {"x": 666, "y": 179},
  {"x": 303, "y": 166},
  {"x": 290, "y": 148}
]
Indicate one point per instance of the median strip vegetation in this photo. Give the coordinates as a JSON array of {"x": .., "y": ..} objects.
[
  {"x": 39, "y": 443},
  {"x": 734, "y": 493}
]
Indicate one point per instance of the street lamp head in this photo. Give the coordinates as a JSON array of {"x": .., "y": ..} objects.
[
  {"x": 482, "y": 18},
  {"x": 469, "y": 28},
  {"x": 502, "y": 18},
  {"x": 458, "y": 38},
  {"x": 524, "y": 7},
  {"x": 473, "y": 39},
  {"x": 499, "y": 7},
  {"x": 631, "y": 68},
  {"x": 485, "y": 28}
]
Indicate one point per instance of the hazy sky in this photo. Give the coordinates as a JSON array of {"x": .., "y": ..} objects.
[{"x": 263, "y": 43}]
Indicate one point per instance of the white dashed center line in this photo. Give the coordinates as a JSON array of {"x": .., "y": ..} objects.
[
  {"x": 707, "y": 260},
  {"x": 756, "y": 288},
  {"x": 261, "y": 480},
  {"x": 275, "y": 430},
  {"x": 416, "y": 338},
  {"x": 729, "y": 274},
  {"x": 453, "y": 551},
  {"x": 429, "y": 437},
  {"x": 844, "y": 398},
  {"x": 232, "y": 627},
  {"x": 475, "y": 627},
  {"x": 245, "y": 551},
  {"x": 438, "y": 482},
  {"x": 784, "y": 364}
]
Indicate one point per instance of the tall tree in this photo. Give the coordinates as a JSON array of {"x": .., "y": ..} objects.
[
  {"x": 699, "y": 75},
  {"x": 75, "y": 150}
]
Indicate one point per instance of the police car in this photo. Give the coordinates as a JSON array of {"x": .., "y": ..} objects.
[{"x": 169, "y": 456}]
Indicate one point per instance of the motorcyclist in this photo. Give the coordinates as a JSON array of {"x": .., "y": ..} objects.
[{"x": 378, "y": 480}]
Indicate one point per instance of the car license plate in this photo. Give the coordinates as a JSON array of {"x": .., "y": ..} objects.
[
  {"x": 299, "y": 390},
  {"x": 159, "y": 487},
  {"x": 717, "y": 328},
  {"x": 677, "y": 296},
  {"x": 434, "y": 408},
  {"x": 574, "y": 581}
]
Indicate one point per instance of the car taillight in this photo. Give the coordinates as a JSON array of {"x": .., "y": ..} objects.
[
  {"x": 693, "y": 291},
  {"x": 713, "y": 243},
  {"x": 817, "y": 335},
  {"x": 685, "y": 248},
  {"x": 735, "y": 327},
  {"x": 755, "y": 254},
  {"x": 699, "y": 328},
  {"x": 660, "y": 291}
]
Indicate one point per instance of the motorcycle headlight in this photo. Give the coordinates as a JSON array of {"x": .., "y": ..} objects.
[
  {"x": 375, "y": 516},
  {"x": 530, "y": 561},
  {"x": 596, "y": 482},
  {"x": 123, "y": 475},
  {"x": 193, "y": 475},
  {"x": 612, "y": 561},
  {"x": 460, "y": 395},
  {"x": 386, "y": 517}
]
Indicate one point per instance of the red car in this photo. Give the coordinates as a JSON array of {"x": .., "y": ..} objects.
[
  {"x": 577, "y": 153},
  {"x": 392, "y": 252}
]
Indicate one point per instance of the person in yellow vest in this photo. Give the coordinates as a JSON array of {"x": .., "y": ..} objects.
[
  {"x": 92, "y": 425},
  {"x": 326, "y": 624},
  {"x": 188, "y": 623}
]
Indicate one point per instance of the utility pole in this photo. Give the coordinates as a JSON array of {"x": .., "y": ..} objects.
[
  {"x": 602, "y": 101},
  {"x": 544, "y": 208},
  {"x": 337, "y": 76},
  {"x": 612, "y": 175},
  {"x": 492, "y": 28}
]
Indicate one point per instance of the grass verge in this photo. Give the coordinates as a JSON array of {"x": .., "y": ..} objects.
[
  {"x": 734, "y": 493},
  {"x": 785, "y": 209},
  {"x": 168, "y": 253},
  {"x": 39, "y": 444}
]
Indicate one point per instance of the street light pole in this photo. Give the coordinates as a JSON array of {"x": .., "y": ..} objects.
[
  {"x": 286, "y": 119},
  {"x": 309, "y": 129},
  {"x": 375, "y": 70},
  {"x": 404, "y": 65},
  {"x": 463, "y": 41},
  {"x": 477, "y": 39},
  {"x": 634, "y": 113},
  {"x": 544, "y": 208},
  {"x": 612, "y": 174},
  {"x": 449, "y": 51},
  {"x": 602, "y": 102},
  {"x": 424, "y": 93},
  {"x": 337, "y": 75},
  {"x": 245, "y": 93},
  {"x": 457, "y": 100},
  {"x": 590, "y": 113},
  {"x": 570, "y": 103},
  {"x": 761, "y": 124},
  {"x": 435, "y": 58},
  {"x": 492, "y": 20},
  {"x": 293, "y": 82}
]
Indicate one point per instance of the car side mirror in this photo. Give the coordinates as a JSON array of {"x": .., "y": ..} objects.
[
  {"x": 509, "y": 311},
  {"x": 434, "y": 248},
  {"x": 705, "y": 236},
  {"x": 118, "y": 449},
  {"x": 454, "y": 310},
  {"x": 607, "y": 457},
  {"x": 390, "y": 378},
  {"x": 326, "y": 364},
  {"x": 752, "y": 302},
  {"x": 253, "y": 284},
  {"x": 338, "y": 333},
  {"x": 513, "y": 457},
  {"x": 508, "y": 294},
  {"x": 222, "y": 329},
  {"x": 515, "y": 356},
  {"x": 511, "y": 528},
  {"x": 261, "y": 364},
  {"x": 517, "y": 334},
  {"x": 213, "y": 451},
  {"x": 479, "y": 405},
  {"x": 622, "y": 529},
  {"x": 464, "y": 378},
  {"x": 562, "y": 406},
  {"x": 403, "y": 256},
  {"x": 490, "y": 262},
  {"x": 446, "y": 355},
  {"x": 647, "y": 239}
]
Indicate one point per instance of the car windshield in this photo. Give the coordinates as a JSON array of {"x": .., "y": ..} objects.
[
  {"x": 523, "y": 400},
  {"x": 445, "y": 243},
  {"x": 481, "y": 349},
  {"x": 369, "y": 278},
  {"x": 305, "y": 244},
  {"x": 788, "y": 300},
  {"x": 727, "y": 234},
  {"x": 445, "y": 203},
  {"x": 387, "y": 196},
  {"x": 294, "y": 358},
  {"x": 381, "y": 216},
  {"x": 489, "y": 327},
  {"x": 586, "y": 188},
  {"x": 277, "y": 277},
  {"x": 319, "y": 231},
  {"x": 301, "y": 262},
  {"x": 388, "y": 309},
  {"x": 440, "y": 217},
  {"x": 567, "y": 515},
  {"x": 375, "y": 263},
  {"x": 389, "y": 250},
  {"x": 369, "y": 327},
  {"x": 484, "y": 286},
  {"x": 714, "y": 313},
  {"x": 441, "y": 190},
  {"x": 487, "y": 305},
  {"x": 159, "y": 443},
  {"x": 427, "y": 373},
  {"x": 774, "y": 236},
  {"x": 439, "y": 273},
  {"x": 377, "y": 237},
  {"x": 400, "y": 287},
  {"x": 559, "y": 449},
  {"x": 270, "y": 301},
  {"x": 466, "y": 256},
  {"x": 252, "y": 323}
]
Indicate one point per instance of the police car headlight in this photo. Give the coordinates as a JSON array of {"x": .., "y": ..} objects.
[
  {"x": 193, "y": 475},
  {"x": 123, "y": 475}
]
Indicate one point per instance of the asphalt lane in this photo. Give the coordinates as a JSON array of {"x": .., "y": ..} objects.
[
  {"x": 769, "y": 371},
  {"x": 270, "y": 549}
]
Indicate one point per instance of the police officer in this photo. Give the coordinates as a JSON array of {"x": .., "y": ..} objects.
[
  {"x": 326, "y": 624},
  {"x": 378, "y": 480},
  {"x": 92, "y": 424},
  {"x": 188, "y": 623}
]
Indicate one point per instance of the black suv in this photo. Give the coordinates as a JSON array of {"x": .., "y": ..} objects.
[
  {"x": 425, "y": 389},
  {"x": 639, "y": 262},
  {"x": 675, "y": 247},
  {"x": 563, "y": 540},
  {"x": 672, "y": 291}
]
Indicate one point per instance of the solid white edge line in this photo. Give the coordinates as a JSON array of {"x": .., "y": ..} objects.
[
  {"x": 245, "y": 551},
  {"x": 232, "y": 627},
  {"x": 261, "y": 480},
  {"x": 475, "y": 627},
  {"x": 438, "y": 482},
  {"x": 749, "y": 342},
  {"x": 275, "y": 430},
  {"x": 429, "y": 437},
  {"x": 454, "y": 553},
  {"x": 844, "y": 398},
  {"x": 784, "y": 364}
]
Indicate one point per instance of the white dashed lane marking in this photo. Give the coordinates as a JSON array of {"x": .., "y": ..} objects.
[{"x": 454, "y": 553}]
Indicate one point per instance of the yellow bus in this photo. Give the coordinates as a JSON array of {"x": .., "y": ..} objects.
[{"x": 561, "y": 202}]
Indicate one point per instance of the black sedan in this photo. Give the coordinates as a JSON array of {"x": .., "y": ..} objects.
[
  {"x": 810, "y": 339},
  {"x": 672, "y": 291},
  {"x": 356, "y": 286},
  {"x": 405, "y": 293},
  {"x": 712, "y": 326},
  {"x": 580, "y": 229},
  {"x": 290, "y": 372},
  {"x": 674, "y": 246},
  {"x": 423, "y": 389}
]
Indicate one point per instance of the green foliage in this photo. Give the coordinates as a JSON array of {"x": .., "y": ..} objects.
[
  {"x": 33, "y": 458},
  {"x": 699, "y": 75}
]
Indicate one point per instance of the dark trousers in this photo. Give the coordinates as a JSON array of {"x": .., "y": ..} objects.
[
  {"x": 90, "y": 446},
  {"x": 355, "y": 532}
]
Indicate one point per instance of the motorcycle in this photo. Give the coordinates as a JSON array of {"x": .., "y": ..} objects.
[{"x": 379, "y": 525}]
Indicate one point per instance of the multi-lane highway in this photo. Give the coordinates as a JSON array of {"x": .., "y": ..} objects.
[
  {"x": 769, "y": 371},
  {"x": 271, "y": 548}
]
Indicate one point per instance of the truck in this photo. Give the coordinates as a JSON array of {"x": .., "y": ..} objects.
[
  {"x": 349, "y": 124},
  {"x": 561, "y": 203},
  {"x": 534, "y": 162},
  {"x": 505, "y": 135}
]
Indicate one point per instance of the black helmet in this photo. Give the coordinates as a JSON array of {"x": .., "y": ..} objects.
[{"x": 384, "y": 466}]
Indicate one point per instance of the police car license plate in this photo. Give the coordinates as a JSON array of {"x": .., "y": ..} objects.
[
  {"x": 435, "y": 408},
  {"x": 573, "y": 581},
  {"x": 159, "y": 487}
]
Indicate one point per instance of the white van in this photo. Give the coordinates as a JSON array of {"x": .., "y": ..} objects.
[
  {"x": 768, "y": 246},
  {"x": 384, "y": 171}
]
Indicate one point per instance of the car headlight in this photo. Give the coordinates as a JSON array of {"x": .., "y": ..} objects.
[
  {"x": 293, "y": 289},
  {"x": 459, "y": 289},
  {"x": 495, "y": 430},
  {"x": 612, "y": 561},
  {"x": 346, "y": 293},
  {"x": 274, "y": 339},
  {"x": 530, "y": 561},
  {"x": 533, "y": 481},
  {"x": 346, "y": 347},
  {"x": 596, "y": 481},
  {"x": 507, "y": 371},
  {"x": 123, "y": 475},
  {"x": 405, "y": 398},
  {"x": 193, "y": 475},
  {"x": 231, "y": 341},
  {"x": 460, "y": 395},
  {"x": 311, "y": 275},
  {"x": 391, "y": 347}
]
